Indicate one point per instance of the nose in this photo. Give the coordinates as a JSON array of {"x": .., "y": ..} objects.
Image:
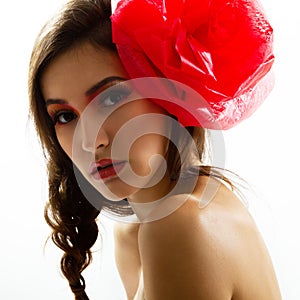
[
  {"x": 94, "y": 139},
  {"x": 102, "y": 140}
]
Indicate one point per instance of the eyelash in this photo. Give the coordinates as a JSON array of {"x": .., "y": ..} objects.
[
  {"x": 121, "y": 92},
  {"x": 60, "y": 113}
]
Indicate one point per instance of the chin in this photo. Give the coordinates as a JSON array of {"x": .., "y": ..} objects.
[{"x": 115, "y": 190}]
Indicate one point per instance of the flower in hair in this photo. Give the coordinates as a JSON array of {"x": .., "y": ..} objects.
[{"x": 222, "y": 49}]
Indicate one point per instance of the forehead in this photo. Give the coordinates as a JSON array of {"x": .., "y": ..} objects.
[{"x": 73, "y": 72}]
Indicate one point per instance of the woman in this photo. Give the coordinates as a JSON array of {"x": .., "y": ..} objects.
[{"x": 173, "y": 247}]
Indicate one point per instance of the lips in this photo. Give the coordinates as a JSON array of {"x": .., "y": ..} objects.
[{"x": 106, "y": 168}]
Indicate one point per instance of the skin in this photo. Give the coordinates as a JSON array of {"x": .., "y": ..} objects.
[
  {"x": 213, "y": 253},
  {"x": 65, "y": 83},
  {"x": 222, "y": 257}
]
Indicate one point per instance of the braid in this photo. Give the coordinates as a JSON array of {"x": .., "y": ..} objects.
[
  {"x": 74, "y": 228},
  {"x": 69, "y": 214}
]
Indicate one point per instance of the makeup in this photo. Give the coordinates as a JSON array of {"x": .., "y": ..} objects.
[
  {"x": 97, "y": 88},
  {"x": 60, "y": 112},
  {"x": 105, "y": 169}
]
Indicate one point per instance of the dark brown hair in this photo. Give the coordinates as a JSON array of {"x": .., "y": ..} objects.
[{"x": 69, "y": 214}]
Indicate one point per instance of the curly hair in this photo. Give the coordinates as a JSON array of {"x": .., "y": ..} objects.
[{"x": 70, "y": 215}]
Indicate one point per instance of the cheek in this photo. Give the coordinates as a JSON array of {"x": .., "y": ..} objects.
[
  {"x": 65, "y": 139},
  {"x": 146, "y": 150}
]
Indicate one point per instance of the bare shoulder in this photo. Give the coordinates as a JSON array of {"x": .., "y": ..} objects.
[
  {"x": 211, "y": 253},
  {"x": 127, "y": 256},
  {"x": 125, "y": 230}
]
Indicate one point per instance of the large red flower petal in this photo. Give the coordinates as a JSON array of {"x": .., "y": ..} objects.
[{"x": 221, "y": 48}]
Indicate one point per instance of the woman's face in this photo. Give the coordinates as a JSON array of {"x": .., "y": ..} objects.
[{"x": 115, "y": 142}]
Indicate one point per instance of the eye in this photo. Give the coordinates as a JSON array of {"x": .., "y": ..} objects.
[
  {"x": 114, "y": 96},
  {"x": 64, "y": 117}
]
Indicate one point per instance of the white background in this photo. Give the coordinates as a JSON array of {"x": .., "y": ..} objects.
[{"x": 264, "y": 150}]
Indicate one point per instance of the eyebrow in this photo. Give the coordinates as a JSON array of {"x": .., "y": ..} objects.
[
  {"x": 55, "y": 101},
  {"x": 96, "y": 87},
  {"x": 91, "y": 91}
]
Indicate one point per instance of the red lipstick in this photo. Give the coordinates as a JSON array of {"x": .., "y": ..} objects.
[{"x": 106, "y": 168}]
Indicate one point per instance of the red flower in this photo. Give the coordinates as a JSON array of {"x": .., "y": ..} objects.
[{"x": 220, "y": 48}]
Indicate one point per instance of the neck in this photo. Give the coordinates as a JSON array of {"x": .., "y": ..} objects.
[{"x": 153, "y": 193}]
